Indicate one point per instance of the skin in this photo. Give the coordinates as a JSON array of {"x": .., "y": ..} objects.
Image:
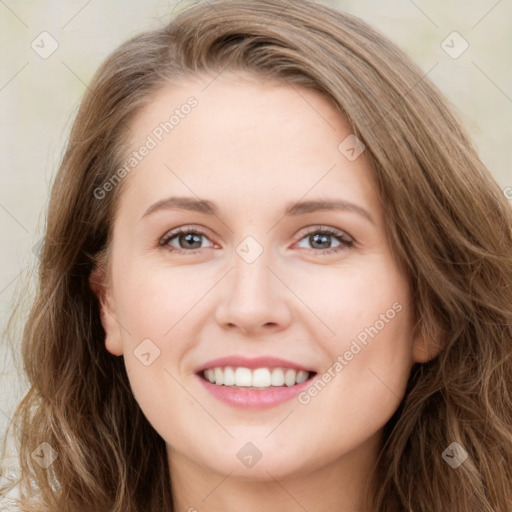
[{"x": 253, "y": 148}]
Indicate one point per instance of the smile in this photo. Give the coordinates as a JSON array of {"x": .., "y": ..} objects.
[{"x": 259, "y": 378}]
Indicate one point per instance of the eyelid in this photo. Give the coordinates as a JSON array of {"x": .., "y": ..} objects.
[
  {"x": 345, "y": 238},
  {"x": 323, "y": 227},
  {"x": 184, "y": 229}
]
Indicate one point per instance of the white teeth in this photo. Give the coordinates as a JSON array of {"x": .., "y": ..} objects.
[
  {"x": 258, "y": 378},
  {"x": 229, "y": 376},
  {"x": 289, "y": 377},
  {"x": 219, "y": 375},
  {"x": 277, "y": 377},
  {"x": 243, "y": 377},
  {"x": 261, "y": 378}
]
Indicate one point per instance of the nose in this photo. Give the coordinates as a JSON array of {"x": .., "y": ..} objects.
[{"x": 253, "y": 298}]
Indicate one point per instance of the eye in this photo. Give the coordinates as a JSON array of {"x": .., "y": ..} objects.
[
  {"x": 321, "y": 235},
  {"x": 189, "y": 240}
]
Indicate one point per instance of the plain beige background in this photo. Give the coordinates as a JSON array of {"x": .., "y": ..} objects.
[{"x": 39, "y": 95}]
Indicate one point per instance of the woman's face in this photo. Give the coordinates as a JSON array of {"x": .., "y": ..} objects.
[{"x": 263, "y": 273}]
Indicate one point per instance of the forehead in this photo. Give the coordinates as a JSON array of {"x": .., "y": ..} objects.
[
  {"x": 241, "y": 106},
  {"x": 238, "y": 137}
]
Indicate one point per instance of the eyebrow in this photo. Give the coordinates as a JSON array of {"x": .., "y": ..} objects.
[{"x": 299, "y": 208}]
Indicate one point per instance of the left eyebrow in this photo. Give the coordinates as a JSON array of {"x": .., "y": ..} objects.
[
  {"x": 303, "y": 207},
  {"x": 299, "y": 208}
]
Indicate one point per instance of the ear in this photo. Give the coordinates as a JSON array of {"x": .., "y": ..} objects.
[
  {"x": 98, "y": 283},
  {"x": 426, "y": 346}
]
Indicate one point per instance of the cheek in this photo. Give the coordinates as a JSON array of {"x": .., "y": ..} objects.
[
  {"x": 153, "y": 312},
  {"x": 358, "y": 301},
  {"x": 370, "y": 357},
  {"x": 376, "y": 360},
  {"x": 374, "y": 344},
  {"x": 155, "y": 299},
  {"x": 360, "y": 389}
]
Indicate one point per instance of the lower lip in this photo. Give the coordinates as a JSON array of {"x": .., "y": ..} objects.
[{"x": 254, "y": 398}]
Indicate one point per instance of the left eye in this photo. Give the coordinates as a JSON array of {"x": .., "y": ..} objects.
[
  {"x": 322, "y": 236},
  {"x": 189, "y": 240}
]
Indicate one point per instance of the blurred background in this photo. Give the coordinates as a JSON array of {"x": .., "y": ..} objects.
[{"x": 49, "y": 51}]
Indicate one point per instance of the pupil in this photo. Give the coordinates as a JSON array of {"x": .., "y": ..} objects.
[
  {"x": 189, "y": 238},
  {"x": 322, "y": 238}
]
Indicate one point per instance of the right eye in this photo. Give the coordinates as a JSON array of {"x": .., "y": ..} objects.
[{"x": 185, "y": 237}]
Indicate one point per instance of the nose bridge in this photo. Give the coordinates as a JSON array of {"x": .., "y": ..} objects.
[
  {"x": 252, "y": 279},
  {"x": 254, "y": 296}
]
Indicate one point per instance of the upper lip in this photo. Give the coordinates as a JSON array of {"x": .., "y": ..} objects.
[{"x": 254, "y": 362}]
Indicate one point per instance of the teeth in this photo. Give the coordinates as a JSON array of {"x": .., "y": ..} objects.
[
  {"x": 258, "y": 378},
  {"x": 243, "y": 377},
  {"x": 219, "y": 375},
  {"x": 229, "y": 377},
  {"x": 277, "y": 378}
]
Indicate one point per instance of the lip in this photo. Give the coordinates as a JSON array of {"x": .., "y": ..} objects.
[
  {"x": 254, "y": 398},
  {"x": 252, "y": 363}
]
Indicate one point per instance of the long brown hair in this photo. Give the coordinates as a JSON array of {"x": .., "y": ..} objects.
[{"x": 449, "y": 226}]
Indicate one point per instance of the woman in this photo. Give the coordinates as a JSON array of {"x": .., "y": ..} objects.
[{"x": 257, "y": 371}]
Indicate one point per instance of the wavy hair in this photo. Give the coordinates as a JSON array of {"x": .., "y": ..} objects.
[{"x": 448, "y": 223}]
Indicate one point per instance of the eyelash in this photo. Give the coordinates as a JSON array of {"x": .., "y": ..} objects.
[{"x": 345, "y": 241}]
